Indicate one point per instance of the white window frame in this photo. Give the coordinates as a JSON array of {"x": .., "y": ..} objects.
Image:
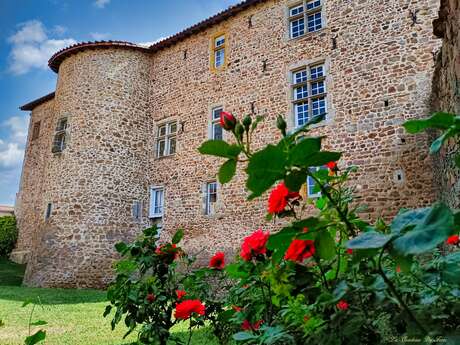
[
  {"x": 153, "y": 202},
  {"x": 300, "y": 12},
  {"x": 215, "y": 122},
  {"x": 219, "y": 48},
  {"x": 208, "y": 209},
  {"x": 60, "y": 137},
  {"x": 305, "y": 83},
  {"x": 168, "y": 137}
]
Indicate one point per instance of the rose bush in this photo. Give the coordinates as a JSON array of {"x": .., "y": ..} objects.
[{"x": 327, "y": 277}]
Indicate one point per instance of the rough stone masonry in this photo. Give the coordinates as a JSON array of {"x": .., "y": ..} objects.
[{"x": 87, "y": 181}]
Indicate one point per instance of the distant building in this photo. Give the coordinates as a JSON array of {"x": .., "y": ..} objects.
[
  {"x": 114, "y": 148},
  {"x": 6, "y": 210}
]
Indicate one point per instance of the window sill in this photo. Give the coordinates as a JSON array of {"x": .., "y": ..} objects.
[
  {"x": 155, "y": 216},
  {"x": 166, "y": 156}
]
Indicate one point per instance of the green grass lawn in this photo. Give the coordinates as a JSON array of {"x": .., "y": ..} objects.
[{"x": 74, "y": 316}]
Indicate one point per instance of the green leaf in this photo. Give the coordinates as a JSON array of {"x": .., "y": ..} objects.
[
  {"x": 35, "y": 338},
  {"x": 280, "y": 241},
  {"x": 340, "y": 290},
  {"x": 325, "y": 245},
  {"x": 369, "y": 240},
  {"x": 227, "y": 171},
  {"x": 242, "y": 336},
  {"x": 457, "y": 160},
  {"x": 295, "y": 179},
  {"x": 39, "y": 323},
  {"x": 121, "y": 247},
  {"x": 219, "y": 148},
  {"x": 107, "y": 310},
  {"x": 321, "y": 158},
  {"x": 178, "y": 236},
  {"x": 438, "y": 120},
  {"x": 235, "y": 271},
  {"x": 428, "y": 232},
  {"x": 26, "y": 303},
  {"x": 437, "y": 144},
  {"x": 450, "y": 271},
  {"x": 408, "y": 218},
  {"x": 303, "y": 149},
  {"x": 404, "y": 263},
  {"x": 264, "y": 169}
]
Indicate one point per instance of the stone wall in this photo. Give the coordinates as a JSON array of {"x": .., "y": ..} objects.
[
  {"x": 446, "y": 95},
  {"x": 92, "y": 184},
  {"x": 379, "y": 75}
]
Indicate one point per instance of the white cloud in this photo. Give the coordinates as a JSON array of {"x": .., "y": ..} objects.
[
  {"x": 101, "y": 3},
  {"x": 11, "y": 156},
  {"x": 59, "y": 30},
  {"x": 31, "y": 47},
  {"x": 18, "y": 127},
  {"x": 148, "y": 44},
  {"x": 98, "y": 36}
]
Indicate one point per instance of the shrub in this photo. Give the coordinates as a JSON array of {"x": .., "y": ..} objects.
[{"x": 8, "y": 235}]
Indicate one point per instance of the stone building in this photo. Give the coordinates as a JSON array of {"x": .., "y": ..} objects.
[{"x": 114, "y": 148}]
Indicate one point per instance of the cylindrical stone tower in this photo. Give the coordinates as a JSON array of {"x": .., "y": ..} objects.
[{"x": 96, "y": 188}]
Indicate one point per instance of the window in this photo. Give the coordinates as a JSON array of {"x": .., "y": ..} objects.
[
  {"x": 216, "y": 129},
  {"x": 137, "y": 210},
  {"x": 218, "y": 57},
  {"x": 60, "y": 136},
  {"x": 156, "y": 202},
  {"x": 166, "y": 139},
  {"x": 309, "y": 93},
  {"x": 211, "y": 197},
  {"x": 48, "y": 210},
  {"x": 36, "y": 130},
  {"x": 305, "y": 17},
  {"x": 312, "y": 189}
]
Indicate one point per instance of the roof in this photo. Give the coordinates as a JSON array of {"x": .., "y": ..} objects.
[
  {"x": 56, "y": 60},
  {"x": 5, "y": 208},
  {"x": 37, "y": 102},
  {"x": 203, "y": 25}
]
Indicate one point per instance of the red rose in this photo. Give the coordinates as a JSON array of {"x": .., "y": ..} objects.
[
  {"x": 227, "y": 121},
  {"x": 279, "y": 198},
  {"x": 247, "y": 326},
  {"x": 342, "y": 305},
  {"x": 217, "y": 261},
  {"x": 332, "y": 165},
  {"x": 350, "y": 251},
  {"x": 299, "y": 250},
  {"x": 398, "y": 269},
  {"x": 185, "y": 309},
  {"x": 180, "y": 294},
  {"x": 168, "y": 251},
  {"x": 150, "y": 297},
  {"x": 254, "y": 244},
  {"x": 453, "y": 240}
]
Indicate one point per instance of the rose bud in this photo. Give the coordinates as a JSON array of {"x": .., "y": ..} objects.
[
  {"x": 150, "y": 297},
  {"x": 247, "y": 122},
  {"x": 239, "y": 130},
  {"x": 281, "y": 124},
  {"x": 227, "y": 121}
]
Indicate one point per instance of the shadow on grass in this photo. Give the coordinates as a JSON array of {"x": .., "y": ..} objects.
[
  {"x": 199, "y": 337},
  {"x": 11, "y": 274}
]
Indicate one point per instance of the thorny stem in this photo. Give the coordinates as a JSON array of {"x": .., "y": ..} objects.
[
  {"x": 189, "y": 332},
  {"x": 396, "y": 294},
  {"x": 323, "y": 276}
]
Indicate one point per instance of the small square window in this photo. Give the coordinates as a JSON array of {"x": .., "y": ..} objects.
[
  {"x": 301, "y": 113},
  {"x": 48, "y": 210},
  {"x": 216, "y": 129},
  {"x": 156, "y": 202},
  {"x": 317, "y": 88},
  {"x": 137, "y": 210},
  {"x": 318, "y": 106},
  {"x": 300, "y": 77},
  {"x": 166, "y": 141},
  {"x": 317, "y": 72},
  {"x": 219, "y": 58},
  {"x": 211, "y": 198},
  {"x": 301, "y": 92},
  {"x": 296, "y": 10},
  {"x": 219, "y": 41},
  {"x": 313, "y": 4},
  {"x": 36, "y": 130},
  {"x": 297, "y": 27},
  {"x": 314, "y": 22}
]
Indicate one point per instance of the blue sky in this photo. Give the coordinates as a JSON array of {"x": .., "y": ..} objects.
[{"x": 32, "y": 30}]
